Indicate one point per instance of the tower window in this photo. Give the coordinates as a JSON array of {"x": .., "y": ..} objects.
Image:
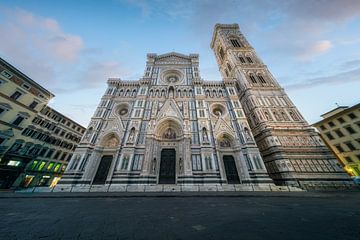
[
  {"x": 249, "y": 59},
  {"x": 229, "y": 67},
  {"x": 253, "y": 78},
  {"x": 235, "y": 43},
  {"x": 242, "y": 60},
  {"x": 221, "y": 53},
  {"x": 261, "y": 79}
]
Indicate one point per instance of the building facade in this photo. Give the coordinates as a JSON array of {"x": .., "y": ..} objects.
[
  {"x": 59, "y": 136},
  {"x": 340, "y": 130},
  {"x": 22, "y": 139},
  {"x": 172, "y": 127}
]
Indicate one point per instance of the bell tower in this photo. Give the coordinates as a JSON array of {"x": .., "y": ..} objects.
[{"x": 292, "y": 151}]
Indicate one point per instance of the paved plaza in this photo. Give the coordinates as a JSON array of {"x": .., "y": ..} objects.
[{"x": 261, "y": 215}]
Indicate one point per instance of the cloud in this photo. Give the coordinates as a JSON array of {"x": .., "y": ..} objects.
[
  {"x": 318, "y": 48},
  {"x": 35, "y": 33},
  {"x": 60, "y": 61},
  {"x": 339, "y": 78},
  {"x": 96, "y": 73}
]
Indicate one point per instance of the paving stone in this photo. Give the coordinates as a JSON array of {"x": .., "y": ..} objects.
[
  {"x": 172, "y": 188},
  {"x": 262, "y": 188},
  {"x": 208, "y": 188},
  {"x": 135, "y": 188},
  {"x": 275, "y": 188},
  {"x": 226, "y": 188},
  {"x": 117, "y": 188},
  {"x": 81, "y": 188},
  {"x": 244, "y": 188},
  {"x": 99, "y": 188},
  {"x": 189, "y": 188},
  {"x": 62, "y": 188},
  {"x": 43, "y": 189},
  {"x": 153, "y": 188}
]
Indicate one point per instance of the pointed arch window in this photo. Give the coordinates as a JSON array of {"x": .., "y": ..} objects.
[
  {"x": 261, "y": 78},
  {"x": 229, "y": 67},
  {"x": 221, "y": 53},
  {"x": 252, "y": 77},
  {"x": 235, "y": 42},
  {"x": 242, "y": 60},
  {"x": 249, "y": 59}
]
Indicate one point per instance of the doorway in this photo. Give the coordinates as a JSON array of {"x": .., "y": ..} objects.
[
  {"x": 167, "y": 166},
  {"x": 102, "y": 172},
  {"x": 230, "y": 170}
]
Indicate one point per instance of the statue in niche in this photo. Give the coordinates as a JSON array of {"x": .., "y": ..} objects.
[
  {"x": 89, "y": 133},
  {"x": 180, "y": 164},
  {"x": 131, "y": 135},
  {"x": 153, "y": 167},
  {"x": 169, "y": 134},
  {"x": 112, "y": 142},
  {"x": 247, "y": 134},
  {"x": 224, "y": 142},
  {"x": 205, "y": 135},
  {"x": 171, "y": 93}
]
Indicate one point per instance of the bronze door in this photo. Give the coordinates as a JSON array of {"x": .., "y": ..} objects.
[
  {"x": 103, "y": 170},
  {"x": 230, "y": 170},
  {"x": 167, "y": 167}
]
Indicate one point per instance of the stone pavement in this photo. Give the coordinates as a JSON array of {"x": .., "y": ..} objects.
[
  {"x": 166, "y": 188},
  {"x": 174, "y": 215}
]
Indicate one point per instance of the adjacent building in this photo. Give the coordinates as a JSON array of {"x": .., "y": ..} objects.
[
  {"x": 173, "y": 127},
  {"x": 25, "y": 139},
  {"x": 340, "y": 130}
]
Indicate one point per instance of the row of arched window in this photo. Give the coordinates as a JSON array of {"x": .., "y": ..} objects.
[
  {"x": 214, "y": 93},
  {"x": 171, "y": 92},
  {"x": 258, "y": 78}
]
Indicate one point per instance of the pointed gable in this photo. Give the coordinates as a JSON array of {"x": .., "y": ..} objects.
[{"x": 169, "y": 109}]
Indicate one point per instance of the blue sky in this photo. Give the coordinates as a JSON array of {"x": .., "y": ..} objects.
[{"x": 72, "y": 47}]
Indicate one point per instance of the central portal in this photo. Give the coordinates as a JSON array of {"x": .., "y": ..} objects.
[{"x": 167, "y": 166}]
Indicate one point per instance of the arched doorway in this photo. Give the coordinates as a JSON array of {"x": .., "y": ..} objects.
[
  {"x": 167, "y": 173},
  {"x": 169, "y": 142},
  {"x": 232, "y": 175},
  {"x": 103, "y": 170}
]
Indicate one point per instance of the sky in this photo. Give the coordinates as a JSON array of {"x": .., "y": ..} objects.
[{"x": 71, "y": 47}]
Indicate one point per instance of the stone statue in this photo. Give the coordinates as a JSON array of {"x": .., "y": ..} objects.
[
  {"x": 247, "y": 134},
  {"x": 180, "y": 164},
  {"x": 131, "y": 135},
  {"x": 153, "y": 167},
  {"x": 225, "y": 142},
  {"x": 112, "y": 142},
  {"x": 169, "y": 134},
  {"x": 205, "y": 135}
]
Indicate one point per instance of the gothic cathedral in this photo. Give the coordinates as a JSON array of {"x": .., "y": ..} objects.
[{"x": 171, "y": 127}]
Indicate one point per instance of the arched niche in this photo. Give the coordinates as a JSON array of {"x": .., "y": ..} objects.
[
  {"x": 225, "y": 140},
  {"x": 110, "y": 140},
  {"x": 169, "y": 129}
]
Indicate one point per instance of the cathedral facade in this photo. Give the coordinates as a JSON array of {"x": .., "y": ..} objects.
[{"x": 173, "y": 127}]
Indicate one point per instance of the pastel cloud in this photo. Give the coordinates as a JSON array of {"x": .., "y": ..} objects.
[
  {"x": 38, "y": 34},
  {"x": 318, "y": 48}
]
